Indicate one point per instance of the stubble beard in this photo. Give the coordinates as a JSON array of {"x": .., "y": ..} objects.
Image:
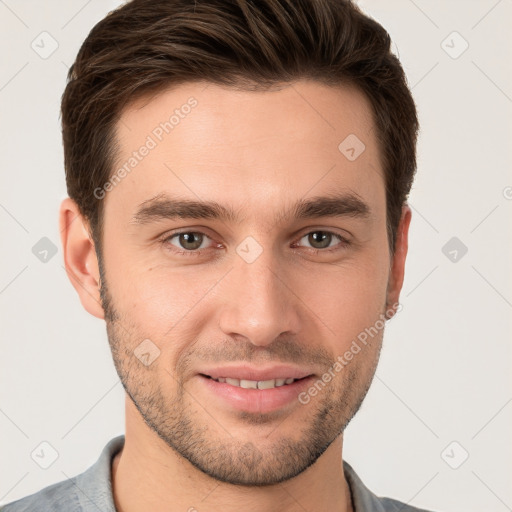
[{"x": 201, "y": 439}]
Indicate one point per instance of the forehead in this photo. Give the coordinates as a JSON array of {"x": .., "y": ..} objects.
[{"x": 257, "y": 150}]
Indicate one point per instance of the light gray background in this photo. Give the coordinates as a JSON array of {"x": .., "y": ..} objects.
[{"x": 445, "y": 372}]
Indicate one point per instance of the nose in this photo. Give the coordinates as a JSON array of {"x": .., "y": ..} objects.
[{"x": 259, "y": 303}]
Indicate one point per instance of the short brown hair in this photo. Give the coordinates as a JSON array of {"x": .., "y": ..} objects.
[{"x": 146, "y": 46}]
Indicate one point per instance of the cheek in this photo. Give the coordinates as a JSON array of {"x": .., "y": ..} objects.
[
  {"x": 164, "y": 302},
  {"x": 349, "y": 299}
]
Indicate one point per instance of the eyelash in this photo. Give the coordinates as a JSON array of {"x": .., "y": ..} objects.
[{"x": 344, "y": 243}]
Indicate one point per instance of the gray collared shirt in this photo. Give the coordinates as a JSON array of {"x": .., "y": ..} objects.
[{"x": 91, "y": 491}]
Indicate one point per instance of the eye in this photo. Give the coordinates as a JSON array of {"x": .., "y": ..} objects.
[
  {"x": 187, "y": 242},
  {"x": 194, "y": 243},
  {"x": 320, "y": 241}
]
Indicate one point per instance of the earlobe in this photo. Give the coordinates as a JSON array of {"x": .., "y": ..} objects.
[
  {"x": 397, "y": 268},
  {"x": 80, "y": 257}
]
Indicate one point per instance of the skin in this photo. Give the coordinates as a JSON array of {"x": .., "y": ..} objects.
[{"x": 258, "y": 152}]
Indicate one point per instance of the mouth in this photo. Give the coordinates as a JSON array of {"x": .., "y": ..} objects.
[
  {"x": 254, "y": 396},
  {"x": 255, "y": 384}
]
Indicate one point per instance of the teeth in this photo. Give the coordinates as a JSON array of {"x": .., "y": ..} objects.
[
  {"x": 249, "y": 384},
  {"x": 267, "y": 384},
  {"x": 255, "y": 384}
]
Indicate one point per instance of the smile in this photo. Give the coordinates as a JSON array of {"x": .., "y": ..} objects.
[{"x": 256, "y": 384}]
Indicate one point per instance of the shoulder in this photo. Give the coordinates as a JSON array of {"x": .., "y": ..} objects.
[
  {"x": 89, "y": 491},
  {"x": 363, "y": 499},
  {"x": 391, "y": 505},
  {"x": 56, "y": 497}
]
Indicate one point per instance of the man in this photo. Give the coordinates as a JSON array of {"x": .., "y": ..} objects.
[{"x": 238, "y": 174}]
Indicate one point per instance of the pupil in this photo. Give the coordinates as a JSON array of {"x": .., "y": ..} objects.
[
  {"x": 188, "y": 238},
  {"x": 324, "y": 237}
]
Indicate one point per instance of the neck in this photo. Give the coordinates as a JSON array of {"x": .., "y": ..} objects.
[{"x": 149, "y": 475}]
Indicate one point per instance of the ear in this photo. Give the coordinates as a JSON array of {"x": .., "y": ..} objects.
[
  {"x": 397, "y": 267},
  {"x": 80, "y": 257}
]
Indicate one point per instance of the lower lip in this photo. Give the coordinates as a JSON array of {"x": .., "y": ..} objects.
[{"x": 257, "y": 400}]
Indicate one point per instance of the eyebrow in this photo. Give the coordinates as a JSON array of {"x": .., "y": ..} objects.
[{"x": 164, "y": 207}]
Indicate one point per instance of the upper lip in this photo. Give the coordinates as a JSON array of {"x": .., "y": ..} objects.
[{"x": 246, "y": 372}]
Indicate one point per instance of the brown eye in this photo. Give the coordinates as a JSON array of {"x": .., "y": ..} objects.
[
  {"x": 322, "y": 240},
  {"x": 188, "y": 240}
]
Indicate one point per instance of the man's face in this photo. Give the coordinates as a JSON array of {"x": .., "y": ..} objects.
[{"x": 263, "y": 289}]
